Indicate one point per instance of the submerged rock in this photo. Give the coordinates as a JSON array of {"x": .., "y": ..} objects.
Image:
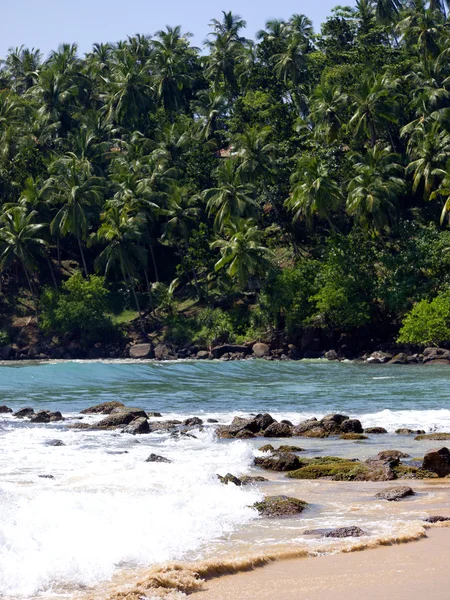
[
  {"x": 384, "y": 454},
  {"x": 157, "y": 458},
  {"x": 375, "y": 430},
  {"x": 229, "y": 478},
  {"x": 406, "y": 431},
  {"x": 246, "y": 479},
  {"x": 394, "y": 494},
  {"x": 24, "y": 412},
  {"x": 280, "y": 506},
  {"x": 54, "y": 443},
  {"x": 433, "y": 436},
  {"x": 343, "y": 532},
  {"x": 437, "y": 519},
  {"x": 353, "y": 436},
  {"x": 437, "y": 461}
]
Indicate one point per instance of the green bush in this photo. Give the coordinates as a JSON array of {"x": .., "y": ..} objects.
[
  {"x": 428, "y": 323},
  {"x": 79, "y": 310},
  {"x": 214, "y": 326}
]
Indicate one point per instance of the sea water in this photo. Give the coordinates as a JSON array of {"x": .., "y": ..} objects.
[{"x": 73, "y": 516}]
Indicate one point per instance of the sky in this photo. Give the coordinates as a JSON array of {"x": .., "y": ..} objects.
[{"x": 45, "y": 24}]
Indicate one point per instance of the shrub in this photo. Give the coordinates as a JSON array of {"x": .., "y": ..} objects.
[
  {"x": 214, "y": 327},
  {"x": 79, "y": 310},
  {"x": 428, "y": 323}
]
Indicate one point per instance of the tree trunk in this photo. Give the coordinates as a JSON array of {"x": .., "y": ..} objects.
[
  {"x": 82, "y": 257},
  {"x": 58, "y": 250}
]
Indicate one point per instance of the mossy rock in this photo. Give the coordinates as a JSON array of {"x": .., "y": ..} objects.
[
  {"x": 433, "y": 436},
  {"x": 344, "y": 470},
  {"x": 353, "y": 436},
  {"x": 316, "y": 432},
  {"x": 408, "y": 472},
  {"x": 276, "y": 507},
  {"x": 290, "y": 449},
  {"x": 267, "y": 448}
]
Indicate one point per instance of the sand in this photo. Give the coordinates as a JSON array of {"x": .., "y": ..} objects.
[{"x": 404, "y": 572}]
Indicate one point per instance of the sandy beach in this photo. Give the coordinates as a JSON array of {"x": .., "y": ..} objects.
[{"x": 405, "y": 571}]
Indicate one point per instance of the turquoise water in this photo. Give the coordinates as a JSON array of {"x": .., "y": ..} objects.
[{"x": 223, "y": 387}]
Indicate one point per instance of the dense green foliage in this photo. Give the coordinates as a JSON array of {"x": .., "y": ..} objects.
[
  {"x": 300, "y": 181},
  {"x": 428, "y": 323}
]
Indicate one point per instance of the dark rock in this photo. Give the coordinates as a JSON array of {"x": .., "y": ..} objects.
[
  {"x": 5, "y": 409},
  {"x": 375, "y": 430},
  {"x": 436, "y": 356},
  {"x": 212, "y": 421},
  {"x": 219, "y": 351},
  {"x": 24, "y": 412},
  {"x": 157, "y": 458},
  {"x": 379, "y": 357},
  {"x": 154, "y": 414},
  {"x": 437, "y": 461},
  {"x": 287, "y": 422},
  {"x": 261, "y": 422},
  {"x": 331, "y": 355},
  {"x": 332, "y": 423},
  {"x": 102, "y": 409},
  {"x": 203, "y": 355},
  {"x": 406, "y": 431},
  {"x": 229, "y": 478},
  {"x": 193, "y": 421},
  {"x": 79, "y": 426},
  {"x": 259, "y": 350},
  {"x": 6, "y": 352},
  {"x": 267, "y": 448},
  {"x": 163, "y": 425},
  {"x": 353, "y": 436},
  {"x": 433, "y": 436},
  {"x": 343, "y": 532},
  {"x": 381, "y": 470},
  {"x": 304, "y": 426},
  {"x": 395, "y": 493},
  {"x": 335, "y": 418},
  {"x": 54, "y": 443},
  {"x": 386, "y": 454},
  {"x": 46, "y": 476},
  {"x": 141, "y": 351},
  {"x": 244, "y": 434},
  {"x": 278, "y": 430},
  {"x": 437, "y": 519},
  {"x": 351, "y": 426},
  {"x": 399, "y": 359},
  {"x": 120, "y": 416},
  {"x": 137, "y": 427},
  {"x": 289, "y": 449},
  {"x": 163, "y": 352},
  {"x": 247, "y": 479},
  {"x": 56, "y": 416},
  {"x": 280, "y": 506},
  {"x": 314, "y": 432},
  {"x": 282, "y": 461}
]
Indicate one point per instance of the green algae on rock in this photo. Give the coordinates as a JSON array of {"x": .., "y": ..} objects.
[{"x": 280, "y": 506}]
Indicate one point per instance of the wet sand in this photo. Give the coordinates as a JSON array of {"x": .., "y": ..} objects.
[{"x": 416, "y": 570}]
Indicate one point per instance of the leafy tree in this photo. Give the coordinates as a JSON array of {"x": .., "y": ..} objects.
[{"x": 428, "y": 323}]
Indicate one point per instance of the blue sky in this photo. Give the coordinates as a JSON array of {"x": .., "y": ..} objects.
[{"x": 45, "y": 24}]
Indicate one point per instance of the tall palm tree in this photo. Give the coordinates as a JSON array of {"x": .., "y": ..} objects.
[
  {"x": 387, "y": 11},
  {"x": 327, "y": 106},
  {"x": 374, "y": 191},
  {"x": 243, "y": 254},
  {"x": 23, "y": 64},
  {"x": 313, "y": 192},
  {"x": 211, "y": 106}
]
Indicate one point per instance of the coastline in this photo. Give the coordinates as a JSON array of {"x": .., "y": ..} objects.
[{"x": 404, "y": 571}]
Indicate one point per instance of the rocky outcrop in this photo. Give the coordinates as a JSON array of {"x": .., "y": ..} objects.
[
  {"x": 344, "y": 532},
  {"x": 280, "y": 506},
  {"x": 280, "y": 461},
  {"x": 141, "y": 351},
  {"x": 351, "y": 426},
  {"x": 54, "y": 443},
  {"x": 247, "y": 479},
  {"x": 344, "y": 469},
  {"x": 157, "y": 458},
  {"x": 105, "y": 408},
  {"x": 24, "y": 412},
  {"x": 437, "y": 519},
  {"x": 163, "y": 352},
  {"x": 278, "y": 430},
  {"x": 433, "y": 436},
  {"x": 5, "y": 409},
  {"x": 385, "y": 454},
  {"x": 395, "y": 493},
  {"x": 379, "y": 357},
  {"x": 437, "y": 461},
  {"x": 353, "y": 436},
  {"x": 193, "y": 422},
  {"x": 229, "y": 478},
  {"x": 399, "y": 359},
  {"x": 375, "y": 430},
  {"x": 138, "y": 426},
  {"x": 203, "y": 355},
  {"x": 120, "y": 416},
  {"x": 46, "y": 416},
  {"x": 406, "y": 431},
  {"x": 219, "y": 351},
  {"x": 436, "y": 356},
  {"x": 260, "y": 350}
]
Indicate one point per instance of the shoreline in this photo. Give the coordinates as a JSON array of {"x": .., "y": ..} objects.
[{"x": 407, "y": 571}]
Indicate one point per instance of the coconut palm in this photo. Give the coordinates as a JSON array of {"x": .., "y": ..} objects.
[
  {"x": 387, "y": 11},
  {"x": 211, "y": 106},
  {"x": 23, "y": 64},
  {"x": 327, "y": 106}
]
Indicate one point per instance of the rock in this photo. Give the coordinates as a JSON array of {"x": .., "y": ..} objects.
[
  {"x": 433, "y": 436},
  {"x": 163, "y": 352},
  {"x": 290, "y": 449},
  {"x": 304, "y": 426},
  {"x": 163, "y": 425},
  {"x": 375, "y": 430},
  {"x": 379, "y": 357},
  {"x": 278, "y": 430},
  {"x": 46, "y": 476},
  {"x": 79, "y": 426},
  {"x": 386, "y": 454},
  {"x": 399, "y": 359},
  {"x": 436, "y": 356},
  {"x": 230, "y": 478},
  {"x": 241, "y": 427},
  {"x": 437, "y": 519},
  {"x": 315, "y": 432},
  {"x": 406, "y": 431},
  {"x": 5, "y": 409},
  {"x": 395, "y": 493},
  {"x": 353, "y": 436},
  {"x": 280, "y": 506},
  {"x": 343, "y": 532},
  {"x": 193, "y": 421},
  {"x": 203, "y": 355},
  {"x": 437, "y": 461},
  {"x": 154, "y": 414},
  {"x": 267, "y": 448},
  {"x": 141, "y": 351},
  {"x": 212, "y": 421},
  {"x": 332, "y": 423},
  {"x": 331, "y": 355},
  {"x": 246, "y": 479},
  {"x": 261, "y": 422},
  {"x": 283, "y": 461},
  {"x": 244, "y": 434},
  {"x": 380, "y": 470},
  {"x": 259, "y": 350},
  {"x": 120, "y": 416},
  {"x": 137, "y": 427},
  {"x": 351, "y": 426},
  {"x": 157, "y": 458},
  {"x": 102, "y": 409},
  {"x": 45, "y": 416},
  {"x": 24, "y": 412},
  {"x": 219, "y": 351},
  {"x": 341, "y": 469},
  {"x": 54, "y": 443},
  {"x": 336, "y": 418},
  {"x": 287, "y": 422},
  {"x": 56, "y": 416}
]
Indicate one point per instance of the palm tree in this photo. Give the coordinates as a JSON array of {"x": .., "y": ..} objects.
[
  {"x": 211, "y": 106},
  {"x": 327, "y": 104},
  {"x": 231, "y": 199},
  {"x": 76, "y": 190},
  {"x": 314, "y": 192},
  {"x": 387, "y": 11},
  {"x": 21, "y": 241},
  {"x": 121, "y": 232},
  {"x": 242, "y": 253},
  {"x": 23, "y": 64},
  {"x": 422, "y": 28},
  {"x": 374, "y": 191}
]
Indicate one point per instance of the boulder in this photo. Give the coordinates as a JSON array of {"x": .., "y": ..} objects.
[
  {"x": 24, "y": 412},
  {"x": 141, "y": 351},
  {"x": 436, "y": 356},
  {"x": 280, "y": 506},
  {"x": 332, "y": 423},
  {"x": 290, "y": 449},
  {"x": 281, "y": 461},
  {"x": 219, "y": 351},
  {"x": 351, "y": 426},
  {"x": 278, "y": 430},
  {"x": 154, "y": 414},
  {"x": 137, "y": 427},
  {"x": 406, "y": 431},
  {"x": 261, "y": 422},
  {"x": 433, "y": 436},
  {"x": 267, "y": 448},
  {"x": 46, "y": 416},
  {"x": 260, "y": 349},
  {"x": 246, "y": 479},
  {"x": 5, "y": 409},
  {"x": 379, "y": 357},
  {"x": 396, "y": 454},
  {"x": 192, "y": 422},
  {"x": 343, "y": 532},
  {"x": 163, "y": 425},
  {"x": 375, "y": 430},
  {"x": 394, "y": 494},
  {"x": 163, "y": 352},
  {"x": 244, "y": 434},
  {"x": 305, "y": 426},
  {"x": 315, "y": 432},
  {"x": 353, "y": 436},
  {"x": 399, "y": 359},
  {"x": 203, "y": 355},
  {"x": 102, "y": 409},
  {"x": 157, "y": 458},
  {"x": 331, "y": 355},
  {"x": 380, "y": 470},
  {"x": 54, "y": 443},
  {"x": 335, "y": 418},
  {"x": 341, "y": 469},
  {"x": 120, "y": 416},
  {"x": 229, "y": 478},
  {"x": 212, "y": 421},
  {"x": 437, "y": 461}
]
